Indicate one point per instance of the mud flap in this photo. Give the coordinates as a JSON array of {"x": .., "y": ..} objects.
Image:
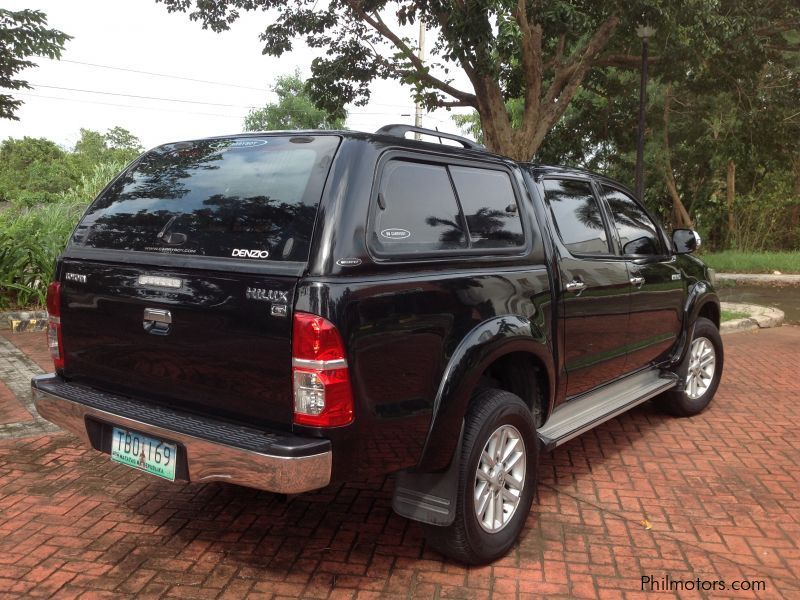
[
  {"x": 682, "y": 369},
  {"x": 429, "y": 497}
]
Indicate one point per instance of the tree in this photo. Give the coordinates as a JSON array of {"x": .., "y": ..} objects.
[
  {"x": 33, "y": 170},
  {"x": 535, "y": 52},
  {"x": 119, "y": 138},
  {"x": 294, "y": 109},
  {"x": 23, "y": 34},
  {"x": 719, "y": 105},
  {"x": 91, "y": 146},
  {"x": 116, "y": 145},
  {"x": 36, "y": 170}
]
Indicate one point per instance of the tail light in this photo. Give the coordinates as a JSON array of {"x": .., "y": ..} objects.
[
  {"x": 54, "y": 341},
  {"x": 322, "y": 393}
]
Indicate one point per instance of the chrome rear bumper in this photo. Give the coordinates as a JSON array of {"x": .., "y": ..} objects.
[{"x": 207, "y": 459}]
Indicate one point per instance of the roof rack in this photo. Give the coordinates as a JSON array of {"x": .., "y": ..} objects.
[{"x": 400, "y": 130}]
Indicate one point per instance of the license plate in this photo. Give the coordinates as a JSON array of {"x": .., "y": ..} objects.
[{"x": 144, "y": 453}]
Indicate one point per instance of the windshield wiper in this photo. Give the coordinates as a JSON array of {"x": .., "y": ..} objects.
[{"x": 173, "y": 239}]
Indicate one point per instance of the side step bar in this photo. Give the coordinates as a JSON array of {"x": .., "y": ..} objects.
[{"x": 589, "y": 410}]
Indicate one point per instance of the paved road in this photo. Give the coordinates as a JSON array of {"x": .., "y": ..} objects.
[{"x": 715, "y": 498}]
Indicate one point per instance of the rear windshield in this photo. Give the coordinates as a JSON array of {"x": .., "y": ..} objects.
[{"x": 246, "y": 198}]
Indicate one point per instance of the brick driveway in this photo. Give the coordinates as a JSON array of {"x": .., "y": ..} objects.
[{"x": 720, "y": 494}]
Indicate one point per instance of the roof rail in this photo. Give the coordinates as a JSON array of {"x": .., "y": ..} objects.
[{"x": 400, "y": 130}]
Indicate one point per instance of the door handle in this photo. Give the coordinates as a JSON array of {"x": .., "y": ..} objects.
[
  {"x": 576, "y": 286},
  {"x": 637, "y": 281}
]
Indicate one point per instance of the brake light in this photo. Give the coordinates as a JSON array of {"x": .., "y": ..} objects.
[
  {"x": 321, "y": 380},
  {"x": 54, "y": 340}
]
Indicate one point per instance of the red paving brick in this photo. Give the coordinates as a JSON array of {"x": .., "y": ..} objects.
[
  {"x": 720, "y": 493},
  {"x": 32, "y": 343},
  {"x": 11, "y": 409}
]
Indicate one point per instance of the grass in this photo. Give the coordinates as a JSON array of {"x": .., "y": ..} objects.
[
  {"x": 730, "y": 315},
  {"x": 734, "y": 261}
]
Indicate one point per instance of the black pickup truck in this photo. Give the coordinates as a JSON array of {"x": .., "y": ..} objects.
[{"x": 290, "y": 310}]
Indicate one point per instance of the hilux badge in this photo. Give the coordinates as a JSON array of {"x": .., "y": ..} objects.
[{"x": 267, "y": 295}]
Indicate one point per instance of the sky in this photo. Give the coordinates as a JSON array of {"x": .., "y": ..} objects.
[{"x": 81, "y": 91}]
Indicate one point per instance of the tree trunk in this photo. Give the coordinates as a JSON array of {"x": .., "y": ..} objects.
[
  {"x": 796, "y": 165},
  {"x": 542, "y": 110},
  {"x": 730, "y": 194},
  {"x": 680, "y": 216},
  {"x": 498, "y": 134}
]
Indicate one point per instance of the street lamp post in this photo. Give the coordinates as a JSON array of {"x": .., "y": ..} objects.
[
  {"x": 421, "y": 56},
  {"x": 645, "y": 32}
]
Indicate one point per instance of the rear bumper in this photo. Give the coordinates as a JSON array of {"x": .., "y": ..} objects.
[{"x": 214, "y": 450}]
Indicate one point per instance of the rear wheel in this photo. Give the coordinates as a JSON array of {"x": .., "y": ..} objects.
[
  {"x": 497, "y": 480},
  {"x": 703, "y": 373}
]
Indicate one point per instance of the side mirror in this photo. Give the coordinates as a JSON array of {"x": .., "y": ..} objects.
[{"x": 685, "y": 241}]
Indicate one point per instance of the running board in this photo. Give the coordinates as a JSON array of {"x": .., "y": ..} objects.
[{"x": 584, "y": 412}]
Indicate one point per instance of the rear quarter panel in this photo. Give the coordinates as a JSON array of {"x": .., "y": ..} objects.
[{"x": 402, "y": 334}]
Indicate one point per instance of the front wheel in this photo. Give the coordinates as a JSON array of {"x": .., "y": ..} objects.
[
  {"x": 703, "y": 373},
  {"x": 497, "y": 480}
]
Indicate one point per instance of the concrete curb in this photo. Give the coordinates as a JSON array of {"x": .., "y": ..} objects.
[
  {"x": 760, "y": 278},
  {"x": 24, "y": 320},
  {"x": 761, "y": 317}
]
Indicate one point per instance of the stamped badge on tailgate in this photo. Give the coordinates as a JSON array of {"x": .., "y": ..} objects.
[{"x": 279, "y": 299}]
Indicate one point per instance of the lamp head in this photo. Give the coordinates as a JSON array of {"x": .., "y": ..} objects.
[{"x": 645, "y": 31}]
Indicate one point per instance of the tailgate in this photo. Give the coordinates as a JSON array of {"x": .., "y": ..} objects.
[
  {"x": 223, "y": 352},
  {"x": 178, "y": 283}
]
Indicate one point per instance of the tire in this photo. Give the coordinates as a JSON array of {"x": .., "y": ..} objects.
[
  {"x": 493, "y": 414},
  {"x": 700, "y": 381}
]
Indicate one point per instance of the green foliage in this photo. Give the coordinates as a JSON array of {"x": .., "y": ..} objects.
[
  {"x": 119, "y": 138},
  {"x": 93, "y": 147},
  {"x": 730, "y": 315},
  {"x": 92, "y": 184},
  {"x": 732, "y": 74},
  {"x": 734, "y": 261},
  {"x": 23, "y": 34},
  {"x": 525, "y": 61},
  {"x": 31, "y": 237},
  {"x": 294, "y": 109},
  {"x": 46, "y": 190},
  {"x": 30, "y": 240},
  {"x": 34, "y": 170},
  {"x": 766, "y": 218}
]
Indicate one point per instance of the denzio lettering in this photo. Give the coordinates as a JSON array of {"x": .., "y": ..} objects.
[{"x": 242, "y": 252}]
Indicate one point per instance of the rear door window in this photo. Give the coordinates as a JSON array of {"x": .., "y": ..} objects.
[
  {"x": 427, "y": 207},
  {"x": 251, "y": 198},
  {"x": 490, "y": 207},
  {"x": 418, "y": 211},
  {"x": 577, "y": 216}
]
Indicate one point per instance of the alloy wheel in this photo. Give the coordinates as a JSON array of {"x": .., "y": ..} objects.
[
  {"x": 499, "y": 478},
  {"x": 702, "y": 364}
]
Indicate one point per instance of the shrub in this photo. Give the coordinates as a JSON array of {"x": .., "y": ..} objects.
[{"x": 31, "y": 237}]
